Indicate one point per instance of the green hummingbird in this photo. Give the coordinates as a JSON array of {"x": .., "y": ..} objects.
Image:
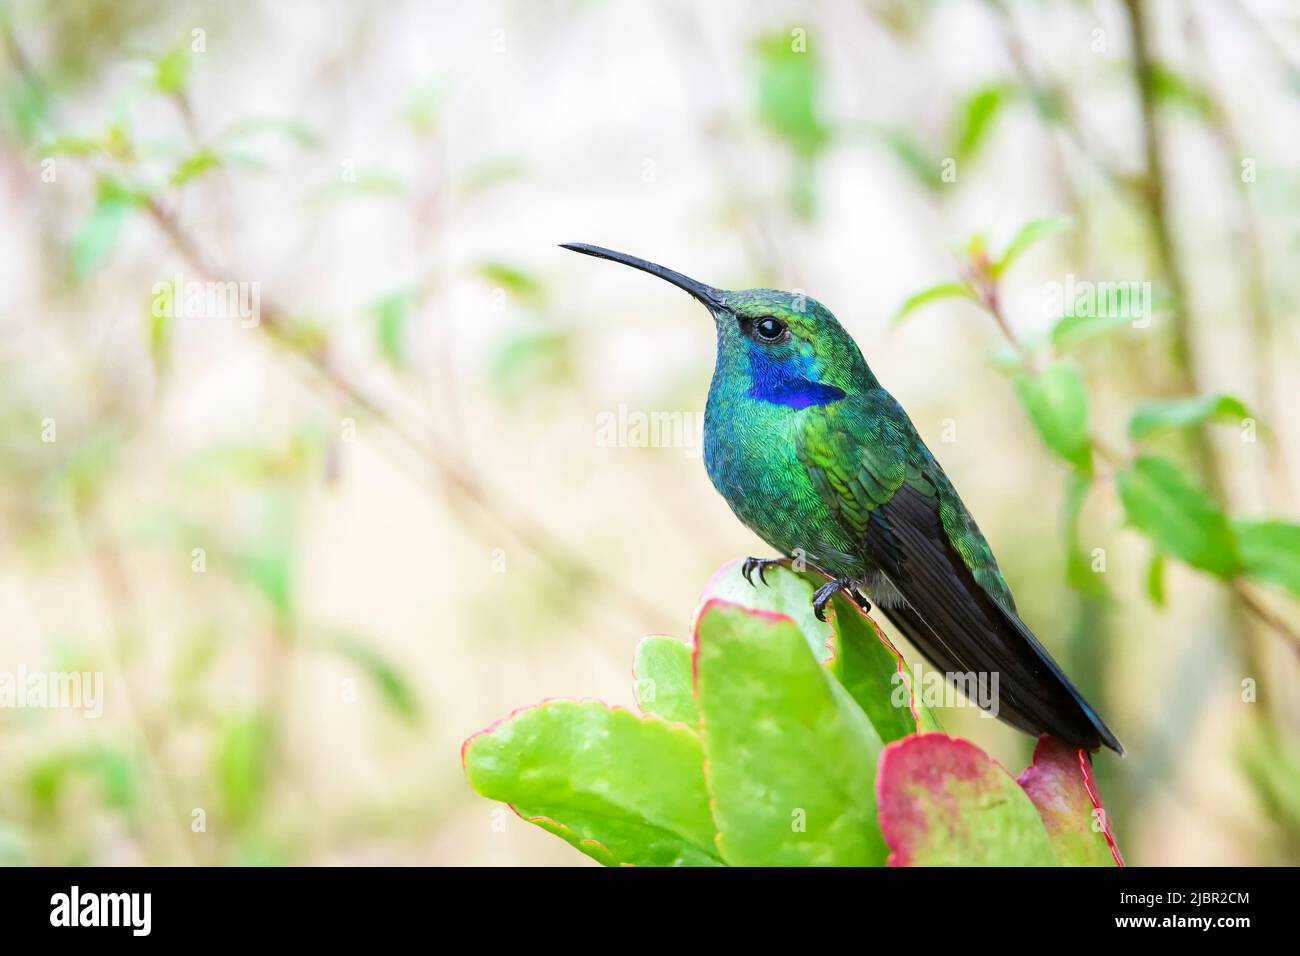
[{"x": 823, "y": 464}]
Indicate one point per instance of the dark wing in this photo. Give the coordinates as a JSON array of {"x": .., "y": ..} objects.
[{"x": 955, "y": 607}]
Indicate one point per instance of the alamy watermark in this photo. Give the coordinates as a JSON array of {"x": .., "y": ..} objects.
[
  {"x": 933, "y": 688},
  {"x": 634, "y": 428},
  {"x": 1083, "y": 298},
  {"x": 183, "y": 298},
  {"x": 53, "y": 690}
]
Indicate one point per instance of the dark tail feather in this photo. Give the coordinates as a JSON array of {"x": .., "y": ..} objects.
[{"x": 1033, "y": 694}]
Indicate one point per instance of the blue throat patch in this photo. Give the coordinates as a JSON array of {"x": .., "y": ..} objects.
[{"x": 784, "y": 383}]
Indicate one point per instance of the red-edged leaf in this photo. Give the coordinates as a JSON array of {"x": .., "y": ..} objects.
[
  {"x": 944, "y": 802},
  {"x": 1065, "y": 796}
]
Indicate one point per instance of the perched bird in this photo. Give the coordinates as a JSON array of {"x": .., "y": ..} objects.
[{"x": 822, "y": 463}]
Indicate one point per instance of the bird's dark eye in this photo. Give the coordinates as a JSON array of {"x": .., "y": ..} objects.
[{"x": 769, "y": 329}]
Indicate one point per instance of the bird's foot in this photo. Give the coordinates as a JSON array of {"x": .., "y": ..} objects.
[
  {"x": 760, "y": 565},
  {"x": 822, "y": 596}
]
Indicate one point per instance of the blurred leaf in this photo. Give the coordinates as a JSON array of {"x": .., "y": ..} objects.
[
  {"x": 195, "y": 166},
  {"x": 1270, "y": 551},
  {"x": 1078, "y": 566},
  {"x": 71, "y": 146},
  {"x": 158, "y": 328},
  {"x": 113, "y": 770},
  {"x": 13, "y": 846},
  {"x": 486, "y": 175},
  {"x": 422, "y": 108},
  {"x": 1156, "y": 579},
  {"x": 392, "y": 316},
  {"x": 172, "y": 71},
  {"x": 1057, "y": 403},
  {"x": 1055, "y": 784},
  {"x": 975, "y": 119},
  {"x": 663, "y": 680},
  {"x": 1091, "y": 316},
  {"x": 1152, "y": 417},
  {"x": 523, "y": 285},
  {"x": 1271, "y": 763},
  {"x": 362, "y": 184},
  {"x": 1162, "y": 502},
  {"x": 98, "y": 234},
  {"x": 240, "y": 765},
  {"x": 802, "y": 187},
  {"x": 1071, "y": 330},
  {"x": 1029, "y": 235},
  {"x": 622, "y": 789},
  {"x": 943, "y": 802},
  {"x": 89, "y": 465},
  {"x": 394, "y": 689},
  {"x": 268, "y": 561},
  {"x": 292, "y": 129},
  {"x": 28, "y": 102},
  {"x": 788, "y": 92},
  {"x": 1169, "y": 85},
  {"x": 791, "y": 757},
  {"x": 943, "y": 290},
  {"x": 924, "y": 166},
  {"x": 532, "y": 359}
]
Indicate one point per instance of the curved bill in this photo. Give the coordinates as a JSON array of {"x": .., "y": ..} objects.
[{"x": 709, "y": 296}]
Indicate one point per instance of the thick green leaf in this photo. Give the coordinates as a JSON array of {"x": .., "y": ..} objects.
[
  {"x": 1270, "y": 551},
  {"x": 785, "y": 593},
  {"x": 663, "y": 680},
  {"x": 1162, "y": 502},
  {"x": 1029, "y": 235},
  {"x": 875, "y": 675},
  {"x": 943, "y": 802},
  {"x": 1057, "y": 403},
  {"x": 1152, "y": 417},
  {"x": 622, "y": 789},
  {"x": 943, "y": 290},
  {"x": 791, "y": 757},
  {"x": 1056, "y": 785}
]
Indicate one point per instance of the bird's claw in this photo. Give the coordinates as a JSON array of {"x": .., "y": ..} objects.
[
  {"x": 822, "y": 596},
  {"x": 760, "y": 565}
]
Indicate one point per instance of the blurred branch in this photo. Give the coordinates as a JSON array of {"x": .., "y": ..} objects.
[
  {"x": 1043, "y": 92},
  {"x": 1250, "y": 261},
  {"x": 460, "y": 482},
  {"x": 119, "y": 596},
  {"x": 1159, "y": 203}
]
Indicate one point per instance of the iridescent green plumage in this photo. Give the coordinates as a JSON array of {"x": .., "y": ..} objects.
[{"x": 824, "y": 465}]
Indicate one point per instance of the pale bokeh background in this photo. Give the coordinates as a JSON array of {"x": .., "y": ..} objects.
[{"x": 356, "y": 621}]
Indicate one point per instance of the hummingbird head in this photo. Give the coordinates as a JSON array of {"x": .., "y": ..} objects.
[{"x": 785, "y": 348}]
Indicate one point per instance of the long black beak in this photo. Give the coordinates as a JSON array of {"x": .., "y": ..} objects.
[{"x": 709, "y": 296}]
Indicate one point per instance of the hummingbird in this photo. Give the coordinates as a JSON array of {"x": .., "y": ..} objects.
[{"x": 822, "y": 463}]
